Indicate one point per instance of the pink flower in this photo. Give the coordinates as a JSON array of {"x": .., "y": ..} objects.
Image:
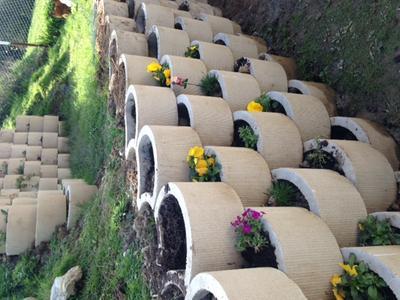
[
  {"x": 257, "y": 215},
  {"x": 179, "y": 81},
  {"x": 246, "y": 212},
  {"x": 247, "y": 229},
  {"x": 237, "y": 222}
]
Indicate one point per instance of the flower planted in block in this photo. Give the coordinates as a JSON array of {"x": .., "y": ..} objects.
[
  {"x": 203, "y": 168},
  {"x": 359, "y": 282},
  {"x": 193, "y": 52},
  {"x": 375, "y": 232},
  {"x": 251, "y": 240},
  {"x": 160, "y": 73}
]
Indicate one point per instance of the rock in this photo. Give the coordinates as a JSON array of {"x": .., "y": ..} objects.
[{"x": 64, "y": 286}]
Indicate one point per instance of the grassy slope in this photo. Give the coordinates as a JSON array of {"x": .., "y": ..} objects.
[{"x": 67, "y": 84}]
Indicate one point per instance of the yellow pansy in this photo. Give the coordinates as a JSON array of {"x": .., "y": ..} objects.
[
  {"x": 167, "y": 73},
  {"x": 254, "y": 107},
  {"x": 338, "y": 294},
  {"x": 196, "y": 152},
  {"x": 154, "y": 67},
  {"x": 352, "y": 271},
  {"x": 168, "y": 81},
  {"x": 360, "y": 226},
  {"x": 201, "y": 167},
  {"x": 335, "y": 280},
  {"x": 211, "y": 161},
  {"x": 193, "y": 48}
]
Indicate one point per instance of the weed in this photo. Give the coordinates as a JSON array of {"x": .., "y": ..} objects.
[
  {"x": 209, "y": 86},
  {"x": 282, "y": 193}
]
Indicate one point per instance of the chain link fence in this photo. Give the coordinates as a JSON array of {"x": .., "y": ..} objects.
[{"x": 15, "y": 20}]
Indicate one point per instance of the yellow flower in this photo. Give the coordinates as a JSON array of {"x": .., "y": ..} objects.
[
  {"x": 254, "y": 107},
  {"x": 352, "y": 271},
  {"x": 154, "y": 67},
  {"x": 167, "y": 74},
  {"x": 193, "y": 48},
  {"x": 211, "y": 161},
  {"x": 335, "y": 280},
  {"x": 360, "y": 226},
  {"x": 201, "y": 167},
  {"x": 168, "y": 81},
  {"x": 196, "y": 152},
  {"x": 338, "y": 294}
]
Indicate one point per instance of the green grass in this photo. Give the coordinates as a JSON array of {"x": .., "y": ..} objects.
[{"x": 65, "y": 82}]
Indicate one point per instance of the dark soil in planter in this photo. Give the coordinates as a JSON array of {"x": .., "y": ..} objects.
[
  {"x": 183, "y": 115},
  {"x": 242, "y": 65},
  {"x": 171, "y": 229},
  {"x": 264, "y": 258},
  {"x": 341, "y": 133},
  {"x": 220, "y": 42},
  {"x": 298, "y": 199},
  {"x": 172, "y": 293},
  {"x": 178, "y": 26},
  {"x": 388, "y": 294},
  {"x": 147, "y": 167},
  {"x": 152, "y": 45},
  {"x": 276, "y": 107},
  {"x": 184, "y": 7},
  {"x": 330, "y": 161},
  {"x": 217, "y": 92},
  {"x": 140, "y": 21},
  {"x": 131, "y": 8},
  {"x": 237, "y": 141},
  {"x": 294, "y": 90},
  {"x": 146, "y": 235},
  {"x": 208, "y": 296}
]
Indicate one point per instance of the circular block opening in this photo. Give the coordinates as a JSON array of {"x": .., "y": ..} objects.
[
  {"x": 183, "y": 115},
  {"x": 237, "y": 141},
  {"x": 171, "y": 229},
  {"x": 152, "y": 42},
  {"x": 146, "y": 165},
  {"x": 342, "y": 133}
]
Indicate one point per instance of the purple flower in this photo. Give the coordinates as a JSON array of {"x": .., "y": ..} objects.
[
  {"x": 257, "y": 215},
  {"x": 247, "y": 229},
  {"x": 246, "y": 212}
]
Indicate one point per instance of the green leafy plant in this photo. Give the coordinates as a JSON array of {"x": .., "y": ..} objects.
[
  {"x": 282, "y": 193},
  {"x": 5, "y": 215},
  {"x": 209, "y": 86},
  {"x": 374, "y": 232},
  {"x": 359, "y": 282},
  {"x": 193, "y": 52},
  {"x": 21, "y": 169},
  {"x": 248, "y": 137},
  {"x": 249, "y": 231},
  {"x": 203, "y": 167},
  {"x": 22, "y": 182}
]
